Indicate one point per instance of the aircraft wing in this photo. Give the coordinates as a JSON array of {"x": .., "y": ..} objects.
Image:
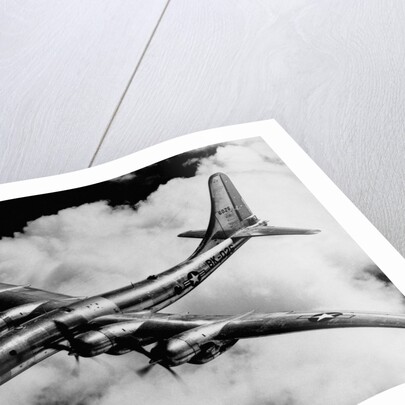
[
  {"x": 15, "y": 295},
  {"x": 156, "y": 326},
  {"x": 257, "y": 325},
  {"x": 198, "y": 339}
]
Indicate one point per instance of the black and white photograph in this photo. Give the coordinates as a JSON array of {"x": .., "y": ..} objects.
[{"x": 213, "y": 276}]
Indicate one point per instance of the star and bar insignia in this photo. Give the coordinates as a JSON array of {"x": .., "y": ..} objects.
[
  {"x": 194, "y": 278},
  {"x": 325, "y": 316}
]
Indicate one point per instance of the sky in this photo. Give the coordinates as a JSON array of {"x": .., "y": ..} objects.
[{"x": 89, "y": 241}]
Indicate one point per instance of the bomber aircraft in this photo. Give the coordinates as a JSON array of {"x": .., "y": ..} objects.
[{"x": 35, "y": 324}]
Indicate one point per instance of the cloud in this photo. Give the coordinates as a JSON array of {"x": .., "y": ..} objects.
[{"x": 94, "y": 247}]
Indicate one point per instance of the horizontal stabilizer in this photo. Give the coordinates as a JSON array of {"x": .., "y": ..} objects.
[
  {"x": 193, "y": 234},
  {"x": 273, "y": 231},
  {"x": 255, "y": 231}
]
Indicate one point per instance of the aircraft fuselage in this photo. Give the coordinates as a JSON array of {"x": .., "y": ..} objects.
[{"x": 23, "y": 347}]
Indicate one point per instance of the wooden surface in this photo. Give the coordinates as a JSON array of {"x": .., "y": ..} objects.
[
  {"x": 63, "y": 68},
  {"x": 83, "y": 83}
]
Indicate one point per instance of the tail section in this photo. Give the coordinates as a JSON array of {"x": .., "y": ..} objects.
[
  {"x": 231, "y": 217},
  {"x": 229, "y": 214}
]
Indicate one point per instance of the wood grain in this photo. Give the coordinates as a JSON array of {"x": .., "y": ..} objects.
[
  {"x": 63, "y": 68},
  {"x": 330, "y": 72}
]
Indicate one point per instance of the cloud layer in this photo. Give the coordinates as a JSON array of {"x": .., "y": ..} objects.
[{"x": 93, "y": 248}]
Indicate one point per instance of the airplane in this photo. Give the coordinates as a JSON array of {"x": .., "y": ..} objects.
[{"x": 35, "y": 324}]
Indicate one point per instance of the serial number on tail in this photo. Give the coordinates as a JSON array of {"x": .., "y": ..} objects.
[
  {"x": 224, "y": 210},
  {"x": 222, "y": 255}
]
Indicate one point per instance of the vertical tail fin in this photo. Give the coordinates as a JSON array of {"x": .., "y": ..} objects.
[{"x": 229, "y": 213}]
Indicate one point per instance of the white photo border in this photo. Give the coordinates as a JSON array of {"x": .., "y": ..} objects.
[{"x": 374, "y": 244}]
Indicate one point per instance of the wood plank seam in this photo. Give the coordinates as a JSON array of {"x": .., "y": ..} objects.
[{"x": 138, "y": 64}]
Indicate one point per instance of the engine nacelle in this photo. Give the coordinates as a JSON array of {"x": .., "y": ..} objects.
[
  {"x": 195, "y": 345},
  {"x": 15, "y": 316},
  {"x": 92, "y": 343},
  {"x": 175, "y": 351},
  {"x": 103, "y": 340},
  {"x": 212, "y": 350}
]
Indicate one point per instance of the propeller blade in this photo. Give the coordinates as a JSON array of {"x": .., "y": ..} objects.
[
  {"x": 133, "y": 344},
  {"x": 171, "y": 371},
  {"x": 138, "y": 348},
  {"x": 64, "y": 330},
  {"x": 76, "y": 370},
  {"x": 144, "y": 370},
  {"x": 72, "y": 350},
  {"x": 59, "y": 346}
]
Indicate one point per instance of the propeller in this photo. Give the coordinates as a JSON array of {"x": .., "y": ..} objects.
[
  {"x": 130, "y": 341},
  {"x": 145, "y": 370},
  {"x": 134, "y": 345},
  {"x": 72, "y": 349},
  {"x": 69, "y": 336}
]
